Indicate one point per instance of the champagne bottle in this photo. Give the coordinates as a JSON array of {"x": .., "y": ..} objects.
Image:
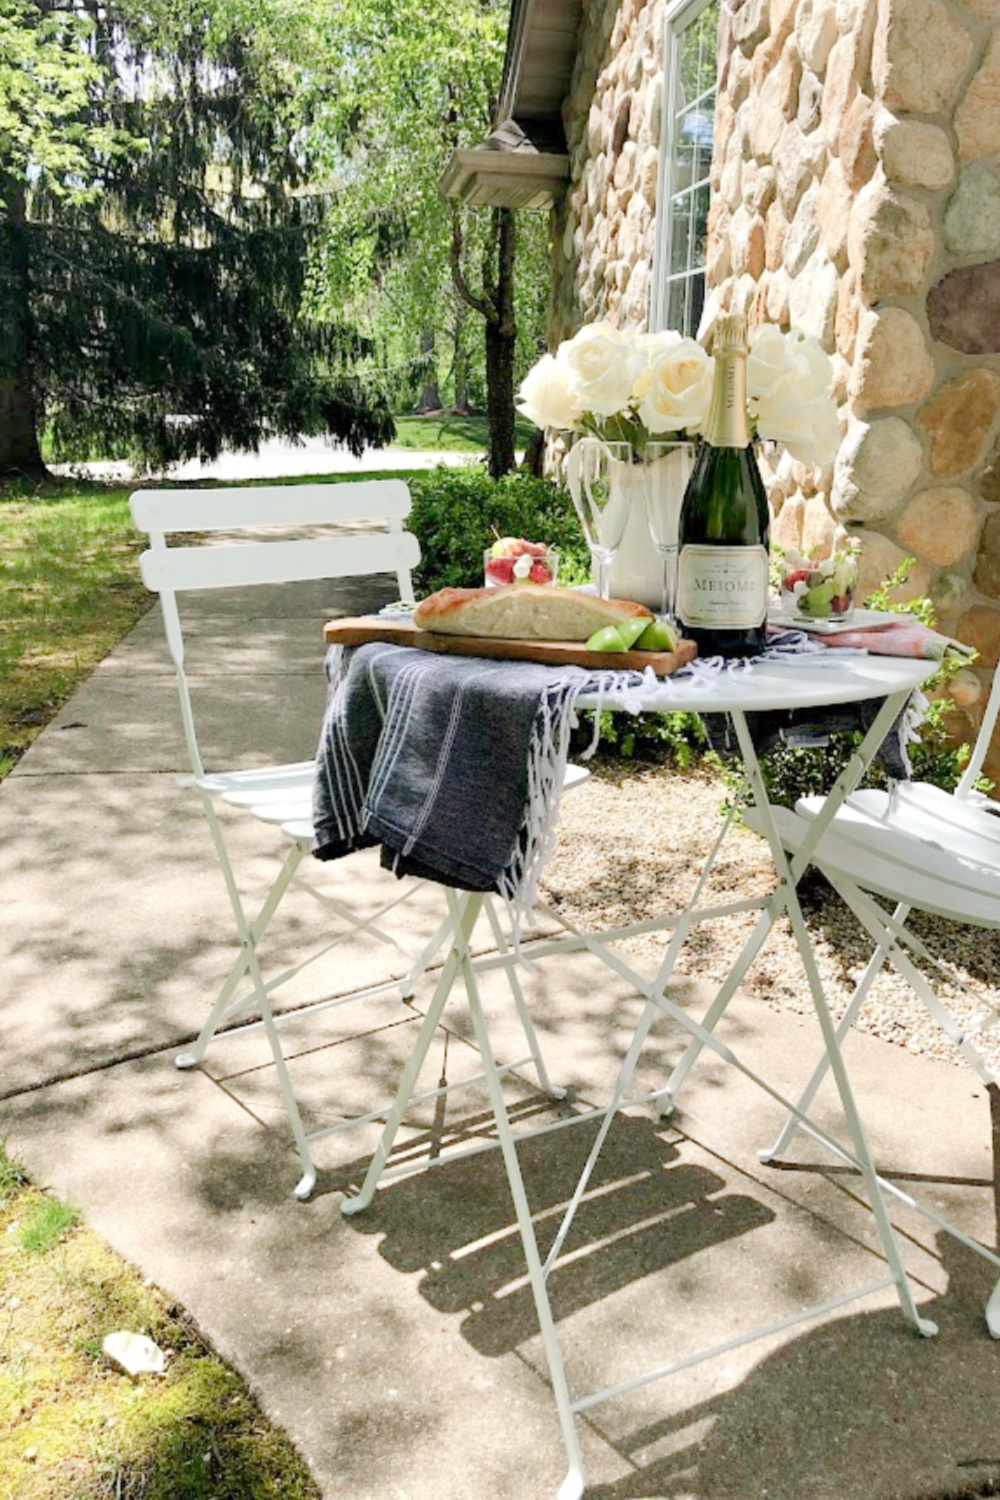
[{"x": 724, "y": 527}]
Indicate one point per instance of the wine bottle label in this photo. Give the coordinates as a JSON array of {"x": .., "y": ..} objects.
[{"x": 722, "y": 588}]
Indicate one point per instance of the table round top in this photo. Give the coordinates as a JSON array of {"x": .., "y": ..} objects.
[{"x": 808, "y": 681}]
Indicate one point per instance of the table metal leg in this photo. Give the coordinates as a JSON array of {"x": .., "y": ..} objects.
[
  {"x": 788, "y": 881},
  {"x": 574, "y": 1483}
]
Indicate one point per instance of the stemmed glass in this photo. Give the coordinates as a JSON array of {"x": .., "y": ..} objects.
[
  {"x": 668, "y": 469},
  {"x": 601, "y": 503}
]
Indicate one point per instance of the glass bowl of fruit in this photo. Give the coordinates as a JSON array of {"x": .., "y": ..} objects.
[
  {"x": 513, "y": 560},
  {"x": 818, "y": 589}
]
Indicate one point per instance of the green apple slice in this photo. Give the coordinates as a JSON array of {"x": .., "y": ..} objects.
[
  {"x": 606, "y": 639},
  {"x": 658, "y": 635},
  {"x": 631, "y": 630}
]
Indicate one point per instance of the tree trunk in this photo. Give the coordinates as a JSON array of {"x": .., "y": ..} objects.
[
  {"x": 19, "y": 450},
  {"x": 460, "y": 362},
  {"x": 430, "y": 396},
  {"x": 496, "y": 306},
  {"x": 501, "y": 337},
  {"x": 534, "y": 454}
]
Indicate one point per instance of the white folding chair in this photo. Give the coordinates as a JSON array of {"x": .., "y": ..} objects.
[
  {"x": 282, "y": 794},
  {"x": 925, "y": 850}
]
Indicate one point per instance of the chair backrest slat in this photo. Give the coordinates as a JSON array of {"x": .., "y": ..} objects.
[
  {"x": 219, "y": 567},
  {"x": 252, "y": 558},
  {"x": 271, "y": 505}
]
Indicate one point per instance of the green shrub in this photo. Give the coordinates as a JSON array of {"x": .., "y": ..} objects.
[
  {"x": 677, "y": 738},
  {"x": 458, "y": 513}
]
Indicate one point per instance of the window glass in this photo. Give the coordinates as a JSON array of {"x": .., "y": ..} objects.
[{"x": 685, "y": 160}]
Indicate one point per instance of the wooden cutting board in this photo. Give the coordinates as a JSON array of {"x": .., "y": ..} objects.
[{"x": 552, "y": 653}]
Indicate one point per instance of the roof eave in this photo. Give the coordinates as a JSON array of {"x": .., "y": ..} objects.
[{"x": 483, "y": 177}]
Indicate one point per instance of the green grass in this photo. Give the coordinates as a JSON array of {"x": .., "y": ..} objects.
[
  {"x": 75, "y": 1427},
  {"x": 69, "y": 590},
  {"x": 454, "y": 434},
  {"x": 46, "y": 1225}
]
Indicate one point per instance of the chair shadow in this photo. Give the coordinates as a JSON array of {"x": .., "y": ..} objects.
[{"x": 647, "y": 1209}]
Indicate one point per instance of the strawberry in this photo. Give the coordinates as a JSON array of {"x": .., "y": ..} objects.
[
  {"x": 500, "y": 569},
  {"x": 540, "y": 573},
  {"x": 801, "y": 575}
]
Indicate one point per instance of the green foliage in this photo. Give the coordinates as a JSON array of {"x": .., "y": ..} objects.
[
  {"x": 458, "y": 513},
  {"x": 12, "y": 1175},
  {"x": 48, "y": 1222},
  {"x": 396, "y": 89},
  {"x": 156, "y": 310},
  {"x": 47, "y": 69},
  {"x": 881, "y": 597},
  {"x": 677, "y": 738},
  {"x": 804, "y": 772}
]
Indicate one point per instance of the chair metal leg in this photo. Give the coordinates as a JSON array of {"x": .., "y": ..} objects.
[
  {"x": 527, "y": 1025},
  {"x": 250, "y": 935},
  {"x": 423, "y": 961},
  {"x": 464, "y": 913}
]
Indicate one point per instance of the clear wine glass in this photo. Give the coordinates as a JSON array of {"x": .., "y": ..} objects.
[
  {"x": 601, "y": 502},
  {"x": 667, "y": 471}
]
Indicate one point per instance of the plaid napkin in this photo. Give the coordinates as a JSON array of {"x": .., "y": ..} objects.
[{"x": 452, "y": 764}]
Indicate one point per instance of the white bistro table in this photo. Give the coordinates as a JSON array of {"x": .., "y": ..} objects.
[{"x": 805, "y": 682}]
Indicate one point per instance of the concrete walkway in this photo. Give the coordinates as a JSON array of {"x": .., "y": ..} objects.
[{"x": 399, "y": 1350}]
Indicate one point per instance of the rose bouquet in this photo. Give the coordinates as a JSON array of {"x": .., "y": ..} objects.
[{"x": 637, "y": 388}]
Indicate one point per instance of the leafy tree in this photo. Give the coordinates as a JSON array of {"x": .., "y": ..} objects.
[
  {"x": 157, "y": 204},
  {"x": 398, "y": 89}
]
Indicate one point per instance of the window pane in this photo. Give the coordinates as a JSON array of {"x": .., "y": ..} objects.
[
  {"x": 698, "y": 229},
  {"x": 677, "y": 305},
  {"x": 689, "y": 149},
  {"x": 680, "y": 233}
]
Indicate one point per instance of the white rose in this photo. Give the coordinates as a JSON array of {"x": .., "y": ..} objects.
[
  {"x": 769, "y": 359},
  {"x": 545, "y": 397},
  {"x": 814, "y": 366},
  {"x": 795, "y": 407},
  {"x": 601, "y": 363},
  {"x": 675, "y": 388}
]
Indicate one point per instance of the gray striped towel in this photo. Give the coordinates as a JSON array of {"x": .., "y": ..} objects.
[{"x": 452, "y": 764}]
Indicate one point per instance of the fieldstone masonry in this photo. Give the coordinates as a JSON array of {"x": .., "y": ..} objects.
[
  {"x": 902, "y": 282},
  {"x": 856, "y": 196}
]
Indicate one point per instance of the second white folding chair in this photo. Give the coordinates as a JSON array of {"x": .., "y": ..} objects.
[{"x": 925, "y": 850}]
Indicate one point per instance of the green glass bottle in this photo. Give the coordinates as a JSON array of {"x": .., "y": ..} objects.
[{"x": 724, "y": 528}]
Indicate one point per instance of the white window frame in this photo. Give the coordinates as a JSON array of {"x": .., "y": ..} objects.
[{"x": 680, "y": 15}]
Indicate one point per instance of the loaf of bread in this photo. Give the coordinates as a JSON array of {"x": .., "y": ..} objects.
[{"x": 523, "y": 612}]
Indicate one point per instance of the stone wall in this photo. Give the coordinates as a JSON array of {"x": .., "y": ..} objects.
[
  {"x": 603, "y": 230},
  {"x": 856, "y": 183},
  {"x": 856, "y": 196}
]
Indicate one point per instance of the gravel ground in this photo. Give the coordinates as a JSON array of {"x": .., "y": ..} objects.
[{"x": 631, "y": 844}]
